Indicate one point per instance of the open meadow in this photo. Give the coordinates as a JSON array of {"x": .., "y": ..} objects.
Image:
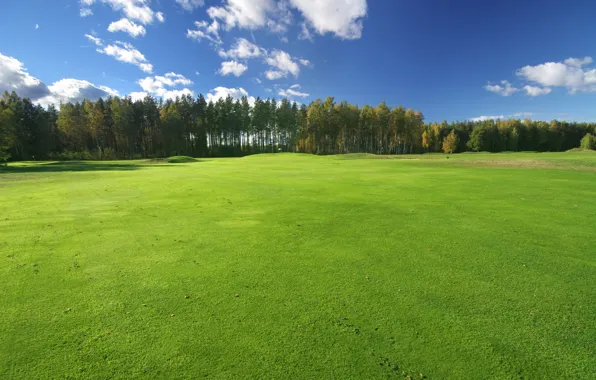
[{"x": 470, "y": 266}]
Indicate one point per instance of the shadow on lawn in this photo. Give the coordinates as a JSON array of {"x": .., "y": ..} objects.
[{"x": 67, "y": 166}]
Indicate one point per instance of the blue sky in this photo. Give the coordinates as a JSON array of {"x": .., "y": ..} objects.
[{"x": 452, "y": 60}]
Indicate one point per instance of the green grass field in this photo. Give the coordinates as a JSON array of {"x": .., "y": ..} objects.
[{"x": 480, "y": 266}]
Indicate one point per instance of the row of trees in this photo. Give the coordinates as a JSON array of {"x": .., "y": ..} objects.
[{"x": 123, "y": 128}]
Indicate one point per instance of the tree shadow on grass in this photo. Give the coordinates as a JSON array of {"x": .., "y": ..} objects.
[{"x": 67, "y": 166}]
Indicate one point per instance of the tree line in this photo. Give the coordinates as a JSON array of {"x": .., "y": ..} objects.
[{"x": 120, "y": 128}]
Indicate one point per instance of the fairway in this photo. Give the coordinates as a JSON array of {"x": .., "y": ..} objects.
[{"x": 474, "y": 266}]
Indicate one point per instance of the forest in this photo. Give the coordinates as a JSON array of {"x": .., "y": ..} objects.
[{"x": 120, "y": 128}]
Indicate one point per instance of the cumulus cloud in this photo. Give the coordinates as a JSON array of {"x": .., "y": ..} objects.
[
  {"x": 204, "y": 30},
  {"x": 570, "y": 74},
  {"x": 137, "y": 95},
  {"x": 138, "y": 10},
  {"x": 223, "y": 92},
  {"x": 342, "y": 18},
  {"x": 232, "y": 68},
  {"x": 160, "y": 17},
  {"x": 282, "y": 65},
  {"x": 74, "y": 90},
  {"x": 158, "y": 83},
  {"x": 537, "y": 91},
  {"x": 15, "y": 77},
  {"x": 127, "y": 26},
  {"x": 243, "y": 49},
  {"x": 505, "y": 90},
  {"x": 190, "y": 5},
  {"x": 247, "y": 14},
  {"x": 164, "y": 86},
  {"x": 578, "y": 62},
  {"x": 292, "y": 92},
  {"x": 125, "y": 52},
  {"x": 274, "y": 74},
  {"x": 173, "y": 94}
]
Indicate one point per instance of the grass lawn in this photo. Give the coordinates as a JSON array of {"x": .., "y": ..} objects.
[{"x": 480, "y": 266}]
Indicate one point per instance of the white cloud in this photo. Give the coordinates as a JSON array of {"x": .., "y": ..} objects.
[
  {"x": 36, "y": 26},
  {"x": 223, "y": 92},
  {"x": 85, "y": 12},
  {"x": 274, "y": 75},
  {"x": 305, "y": 33},
  {"x": 14, "y": 77},
  {"x": 485, "y": 118},
  {"x": 110, "y": 91},
  {"x": 127, "y": 26},
  {"x": 578, "y": 62},
  {"x": 570, "y": 74},
  {"x": 293, "y": 92},
  {"x": 280, "y": 18},
  {"x": 160, "y": 17},
  {"x": 232, "y": 67},
  {"x": 137, "y": 96},
  {"x": 173, "y": 94},
  {"x": 137, "y": 10},
  {"x": 305, "y": 62},
  {"x": 197, "y": 73},
  {"x": 537, "y": 91},
  {"x": 125, "y": 52},
  {"x": 206, "y": 31},
  {"x": 505, "y": 90},
  {"x": 74, "y": 90},
  {"x": 146, "y": 67},
  {"x": 95, "y": 40},
  {"x": 157, "y": 83},
  {"x": 258, "y": 81},
  {"x": 163, "y": 86},
  {"x": 343, "y": 18},
  {"x": 243, "y": 49},
  {"x": 247, "y": 14},
  {"x": 190, "y": 5},
  {"x": 282, "y": 64}
]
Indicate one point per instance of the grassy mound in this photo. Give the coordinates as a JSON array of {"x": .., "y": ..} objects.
[{"x": 181, "y": 159}]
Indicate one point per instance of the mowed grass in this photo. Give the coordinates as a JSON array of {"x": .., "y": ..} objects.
[{"x": 295, "y": 266}]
